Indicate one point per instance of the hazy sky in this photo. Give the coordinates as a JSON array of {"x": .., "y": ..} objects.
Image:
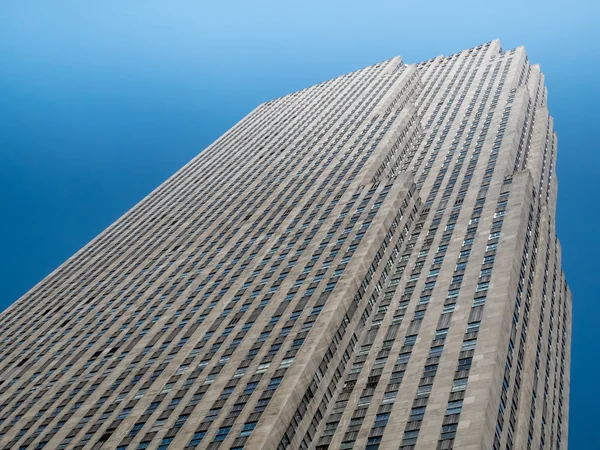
[{"x": 100, "y": 101}]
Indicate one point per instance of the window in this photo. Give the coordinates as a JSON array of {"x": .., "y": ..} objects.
[
  {"x": 417, "y": 413},
  {"x": 286, "y": 363},
  {"x": 410, "y": 437},
  {"x": 373, "y": 443},
  {"x": 389, "y": 397},
  {"x": 365, "y": 400},
  {"x": 448, "y": 308},
  {"x": 197, "y": 437},
  {"x": 402, "y": 358},
  {"x": 357, "y": 367},
  {"x": 449, "y": 431},
  {"x": 424, "y": 391},
  {"x": 181, "y": 420},
  {"x": 381, "y": 419},
  {"x": 165, "y": 443},
  {"x": 469, "y": 345},
  {"x": 482, "y": 287},
  {"x": 153, "y": 406},
  {"x": 459, "y": 385},
  {"x": 454, "y": 407},
  {"x": 158, "y": 425},
  {"x": 424, "y": 300},
  {"x": 453, "y": 293},
  {"x": 262, "y": 368},
  {"x": 248, "y": 429},
  {"x": 250, "y": 388},
  {"x": 473, "y": 327},
  {"x": 479, "y": 301},
  {"x": 410, "y": 340},
  {"x": 441, "y": 334},
  {"x": 136, "y": 428},
  {"x": 436, "y": 351},
  {"x": 379, "y": 362},
  {"x": 274, "y": 383},
  {"x": 222, "y": 433}
]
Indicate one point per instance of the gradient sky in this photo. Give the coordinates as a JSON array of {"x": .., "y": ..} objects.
[{"x": 100, "y": 101}]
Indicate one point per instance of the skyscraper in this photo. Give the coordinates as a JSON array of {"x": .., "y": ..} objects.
[{"x": 368, "y": 263}]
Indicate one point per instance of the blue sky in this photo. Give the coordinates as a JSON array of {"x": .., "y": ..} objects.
[{"x": 102, "y": 101}]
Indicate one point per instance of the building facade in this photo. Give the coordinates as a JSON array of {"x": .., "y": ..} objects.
[{"x": 368, "y": 263}]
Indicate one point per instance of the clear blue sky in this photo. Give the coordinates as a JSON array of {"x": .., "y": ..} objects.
[{"x": 100, "y": 101}]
